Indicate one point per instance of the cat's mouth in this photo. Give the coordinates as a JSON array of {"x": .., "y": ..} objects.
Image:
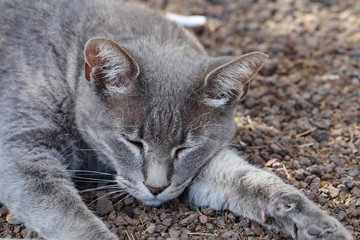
[{"x": 168, "y": 194}]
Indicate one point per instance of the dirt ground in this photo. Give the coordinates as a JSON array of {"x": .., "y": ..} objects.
[{"x": 300, "y": 118}]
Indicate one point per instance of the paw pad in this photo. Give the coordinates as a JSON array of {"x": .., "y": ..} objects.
[{"x": 314, "y": 230}]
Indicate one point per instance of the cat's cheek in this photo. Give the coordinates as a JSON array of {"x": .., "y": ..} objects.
[
  {"x": 188, "y": 164},
  {"x": 135, "y": 150},
  {"x": 137, "y": 155}
]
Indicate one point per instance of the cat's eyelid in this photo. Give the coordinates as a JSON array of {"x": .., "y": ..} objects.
[
  {"x": 176, "y": 150},
  {"x": 133, "y": 141},
  {"x": 129, "y": 138},
  {"x": 182, "y": 147},
  {"x": 136, "y": 143}
]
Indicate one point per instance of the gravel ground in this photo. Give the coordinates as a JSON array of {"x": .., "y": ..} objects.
[{"x": 299, "y": 120}]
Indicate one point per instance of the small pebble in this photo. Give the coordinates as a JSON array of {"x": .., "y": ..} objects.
[
  {"x": 275, "y": 148},
  {"x": 129, "y": 211},
  {"x": 315, "y": 184},
  {"x": 203, "y": 219},
  {"x": 353, "y": 172},
  {"x": 174, "y": 233},
  {"x": 334, "y": 158},
  {"x": 257, "y": 229},
  {"x": 210, "y": 226},
  {"x": 355, "y": 192},
  {"x": 272, "y": 80},
  {"x": 299, "y": 174},
  {"x": 314, "y": 169},
  {"x": 129, "y": 201},
  {"x": 341, "y": 187},
  {"x": 160, "y": 228},
  {"x": 333, "y": 192},
  {"x": 228, "y": 234},
  {"x": 348, "y": 183},
  {"x": 104, "y": 206},
  {"x": 151, "y": 228},
  {"x": 342, "y": 215},
  {"x": 321, "y": 135},
  {"x": 303, "y": 124},
  {"x": 304, "y": 161},
  {"x": 220, "y": 223},
  {"x": 329, "y": 167},
  {"x": 168, "y": 222},
  {"x": 191, "y": 218},
  {"x": 322, "y": 123}
]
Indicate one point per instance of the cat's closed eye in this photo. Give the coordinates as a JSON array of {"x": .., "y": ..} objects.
[
  {"x": 137, "y": 144},
  {"x": 180, "y": 152}
]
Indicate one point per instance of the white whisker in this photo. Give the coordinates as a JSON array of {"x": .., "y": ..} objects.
[
  {"x": 122, "y": 198},
  {"x": 89, "y": 172},
  {"x": 121, "y": 194},
  {"x": 195, "y": 119},
  {"x": 107, "y": 194},
  {"x": 100, "y": 188},
  {"x": 87, "y": 149},
  {"x": 94, "y": 179}
]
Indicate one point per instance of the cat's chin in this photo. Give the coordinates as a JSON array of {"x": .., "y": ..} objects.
[{"x": 153, "y": 203}]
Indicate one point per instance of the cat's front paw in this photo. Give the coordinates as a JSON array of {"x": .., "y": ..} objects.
[
  {"x": 325, "y": 228},
  {"x": 305, "y": 220}
]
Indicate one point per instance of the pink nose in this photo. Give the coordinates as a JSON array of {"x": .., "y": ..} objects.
[{"x": 156, "y": 191}]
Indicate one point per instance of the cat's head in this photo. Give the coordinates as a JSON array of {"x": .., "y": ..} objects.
[{"x": 158, "y": 122}]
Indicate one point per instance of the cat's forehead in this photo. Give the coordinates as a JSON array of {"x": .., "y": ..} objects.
[
  {"x": 164, "y": 124},
  {"x": 170, "y": 65}
]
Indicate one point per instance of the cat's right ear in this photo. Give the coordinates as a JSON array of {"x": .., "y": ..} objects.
[{"x": 109, "y": 66}]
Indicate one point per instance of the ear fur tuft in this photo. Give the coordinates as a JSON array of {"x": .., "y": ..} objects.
[
  {"x": 229, "y": 82},
  {"x": 109, "y": 66}
]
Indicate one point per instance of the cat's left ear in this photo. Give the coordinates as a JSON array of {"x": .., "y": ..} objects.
[
  {"x": 109, "y": 66},
  {"x": 228, "y": 82}
]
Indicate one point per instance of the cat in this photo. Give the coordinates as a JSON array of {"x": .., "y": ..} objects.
[{"x": 142, "y": 93}]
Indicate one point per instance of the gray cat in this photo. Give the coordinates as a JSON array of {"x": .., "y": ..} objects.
[{"x": 142, "y": 93}]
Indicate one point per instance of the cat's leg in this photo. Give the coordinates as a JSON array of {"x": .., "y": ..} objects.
[
  {"x": 37, "y": 190},
  {"x": 229, "y": 182}
]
